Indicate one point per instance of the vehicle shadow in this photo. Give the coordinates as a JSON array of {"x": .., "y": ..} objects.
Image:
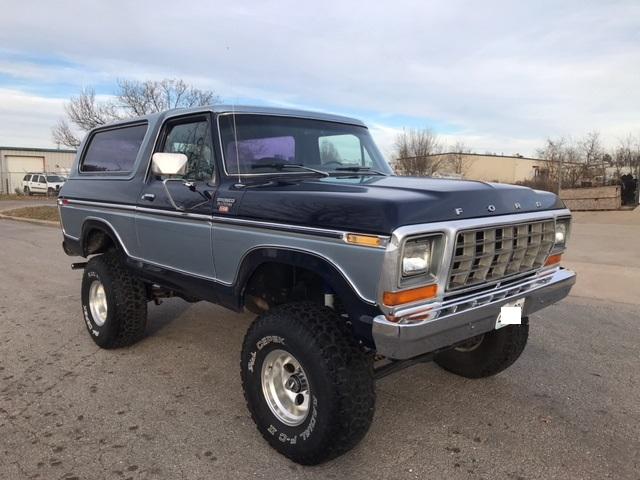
[{"x": 163, "y": 315}]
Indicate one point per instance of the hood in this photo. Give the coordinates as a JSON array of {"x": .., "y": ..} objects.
[{"x": 377, "y": 204}]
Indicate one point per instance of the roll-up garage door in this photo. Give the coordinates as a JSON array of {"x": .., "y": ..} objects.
[{"x": 18, "y": 166}]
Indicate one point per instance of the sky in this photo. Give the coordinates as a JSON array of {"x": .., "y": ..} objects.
[{"x": 498, "y": 76}]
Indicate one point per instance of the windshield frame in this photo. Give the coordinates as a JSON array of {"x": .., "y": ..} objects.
[{"x": 375, "y": 152}]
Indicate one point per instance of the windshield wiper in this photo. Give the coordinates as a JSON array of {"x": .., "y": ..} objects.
[
  {"x": 357, "y": 168},
  {"x": 281, "y": 166}
]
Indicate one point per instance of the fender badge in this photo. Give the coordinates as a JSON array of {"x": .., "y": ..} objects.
[
  {"x": 225, "y": 204},
  {"x": 459, "y": 211},
  {"x": 491, "y": 208},
  {"x": 517, "y": 205}
]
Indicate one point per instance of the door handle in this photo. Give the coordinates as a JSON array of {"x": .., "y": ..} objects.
[{"x": 150, "y": 197}]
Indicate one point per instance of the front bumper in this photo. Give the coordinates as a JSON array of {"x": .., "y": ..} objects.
[{"x": 460, "y": 318}]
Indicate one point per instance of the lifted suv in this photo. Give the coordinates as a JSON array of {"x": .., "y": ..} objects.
[{"x": 354, "y": 273}]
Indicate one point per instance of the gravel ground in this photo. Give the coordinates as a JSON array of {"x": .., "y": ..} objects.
[{"x": 172, "y": 407}]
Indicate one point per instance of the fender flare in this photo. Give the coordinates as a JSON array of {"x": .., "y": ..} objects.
[{"x": 95, "y": 224}]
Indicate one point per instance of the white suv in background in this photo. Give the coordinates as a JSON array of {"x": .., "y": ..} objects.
[{"x": 45, "y": 183}]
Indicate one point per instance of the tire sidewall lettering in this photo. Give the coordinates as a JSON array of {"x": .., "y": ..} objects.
[
  {"x": 305, "y": 434},
  {"x": 260, "y": 344},
  {"x": 284, "y": 433}
]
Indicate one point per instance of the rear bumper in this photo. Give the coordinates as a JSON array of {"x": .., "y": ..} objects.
[{"x": 455, "y": 320}]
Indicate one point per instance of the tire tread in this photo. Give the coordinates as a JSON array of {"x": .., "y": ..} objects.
[
  {"x": 350, "y": 368},
  {"x": 130, "y": 296}
]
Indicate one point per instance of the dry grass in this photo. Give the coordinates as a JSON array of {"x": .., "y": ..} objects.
[
  {"x": 12, "y": 196},
  {"x": 35, "y": 213}
]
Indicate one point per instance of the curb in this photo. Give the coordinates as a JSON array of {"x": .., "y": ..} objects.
[{"x": 45, "y": 223}]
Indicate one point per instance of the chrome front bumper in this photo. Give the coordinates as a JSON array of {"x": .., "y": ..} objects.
[{"x": 463, "y": 317}]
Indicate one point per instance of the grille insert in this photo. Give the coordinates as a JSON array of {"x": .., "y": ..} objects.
[{"x": 490, "y": 254}]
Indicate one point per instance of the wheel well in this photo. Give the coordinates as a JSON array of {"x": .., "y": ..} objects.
[
  {"x": 97, "y": 239},
  {"x": 275, "y": 283}
]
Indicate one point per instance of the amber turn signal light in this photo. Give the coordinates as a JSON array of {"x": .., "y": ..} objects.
[
  {"x": 391, "y": 299},
  {"x": 364, "y": 240},
  {"x": 553, "y": 260}
]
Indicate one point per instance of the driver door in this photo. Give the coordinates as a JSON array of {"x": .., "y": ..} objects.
[{"x": 173, "y": 223}]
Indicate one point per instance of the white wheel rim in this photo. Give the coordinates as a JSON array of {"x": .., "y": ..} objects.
[
  {"x": 98, "y": 302},
  {"x": 285, "y": 387}
]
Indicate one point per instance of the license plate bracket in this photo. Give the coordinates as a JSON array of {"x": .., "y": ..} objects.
[{"x": 510, "y": 313}]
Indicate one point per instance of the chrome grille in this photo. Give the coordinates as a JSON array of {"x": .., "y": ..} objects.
[{"x": 490, "y": 254}]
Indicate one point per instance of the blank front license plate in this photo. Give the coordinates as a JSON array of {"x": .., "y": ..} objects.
[{"x": 510, "y": 313}]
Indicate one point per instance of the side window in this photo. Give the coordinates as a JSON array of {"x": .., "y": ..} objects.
[
  {"x": 194, "y": 140},
  {"x": 26, "y": 178},
  {"x": 113, "y": 150},
  {"x": 344, "y": 149},
  {"x": 41, "y": 179}
]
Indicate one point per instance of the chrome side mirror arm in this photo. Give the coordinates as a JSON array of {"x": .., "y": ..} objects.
[{"x": 191, "y": 186}]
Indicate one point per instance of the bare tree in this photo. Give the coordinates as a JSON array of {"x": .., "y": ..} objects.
[
  {"x": 624, "y": 155},
  {"x": 554, "y": 156},
  {"x": 578, "y": 163},
  {"x": 459, "y": 160},
  {"x": 591, "y": 148},
  {"x": 414, "y": 151},
  {"x": 132, "y": 99}
]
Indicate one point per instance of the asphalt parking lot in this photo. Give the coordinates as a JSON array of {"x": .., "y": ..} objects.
[{"x": 172, "y": 406}]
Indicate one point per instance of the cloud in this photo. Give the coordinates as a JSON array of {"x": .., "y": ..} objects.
[
  {"x": 27, "y": 119},
  {"x": 501, "y": 75}
]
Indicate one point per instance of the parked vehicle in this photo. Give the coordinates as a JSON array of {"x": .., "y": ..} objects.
[
  {"x": 45, "y": 183},
  {"x": 354, "y": 273}
]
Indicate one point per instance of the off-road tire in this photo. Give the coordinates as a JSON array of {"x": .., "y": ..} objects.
[
  {"x": 339, "y": 373},
  {"x": 498, "y": 350},
  {"x": 126, "y": 302}
]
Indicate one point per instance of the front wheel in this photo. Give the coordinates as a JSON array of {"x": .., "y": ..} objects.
[
  {"x": 487, "y": 354},
  {"x": 308, "y": 385},
  {"x": 114, "y": 302}
]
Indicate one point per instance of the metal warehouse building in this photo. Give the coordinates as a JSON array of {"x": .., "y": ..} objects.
[{"x": 15, "y": 162}]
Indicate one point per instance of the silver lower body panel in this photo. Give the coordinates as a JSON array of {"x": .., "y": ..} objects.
[{"x": 461, "y": 318}]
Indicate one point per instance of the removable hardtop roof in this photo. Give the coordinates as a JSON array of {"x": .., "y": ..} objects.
[{"x": 239, "y": 109}]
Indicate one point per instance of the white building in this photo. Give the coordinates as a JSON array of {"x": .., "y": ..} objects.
[{"x": 16, "y": 162}]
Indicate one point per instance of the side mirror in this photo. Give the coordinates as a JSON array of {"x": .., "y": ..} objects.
[{"x": 168, "y": 164}]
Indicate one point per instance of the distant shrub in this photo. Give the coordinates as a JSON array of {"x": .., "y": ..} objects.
[{"x": 539, "y": 184}]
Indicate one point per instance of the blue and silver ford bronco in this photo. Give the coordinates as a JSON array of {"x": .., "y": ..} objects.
[{"x": 354, "y": 273}]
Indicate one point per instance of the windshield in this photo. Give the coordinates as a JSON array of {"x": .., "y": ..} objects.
[
  {"x": 265, "y": 143},
  {"x": 54, "y": 179}
]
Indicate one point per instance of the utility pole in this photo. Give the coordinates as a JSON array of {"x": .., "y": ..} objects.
[
  {"x": 637, "y": 181},
  {"x": 559, "y": 174}
]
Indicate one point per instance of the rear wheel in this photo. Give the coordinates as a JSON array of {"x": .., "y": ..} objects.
[
  {"x": 308, "y": 385},
  {"x": 114, "y": 302},
  {"x": 27, "y": 191},
  {"x": 487, "y": 354}
]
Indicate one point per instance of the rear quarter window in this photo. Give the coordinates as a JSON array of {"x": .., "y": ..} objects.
[{"x": 113, "y": 150}]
